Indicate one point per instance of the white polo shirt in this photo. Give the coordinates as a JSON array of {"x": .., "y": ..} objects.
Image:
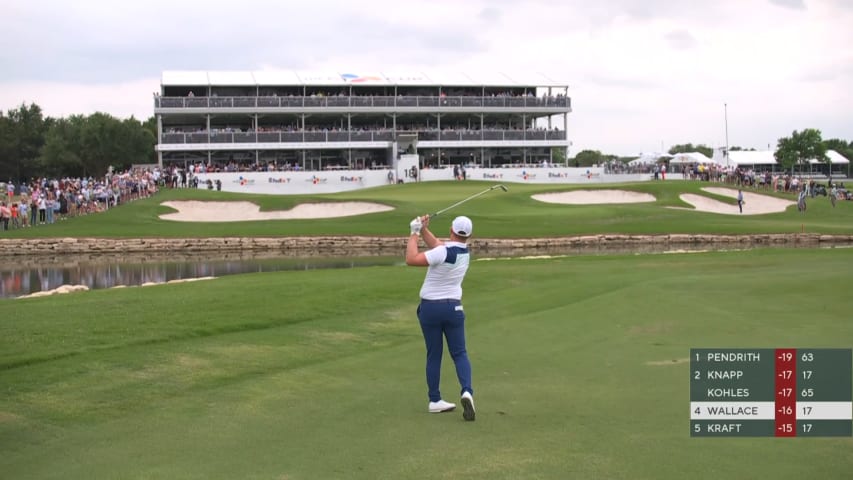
[{"x": 447, "y": 266}]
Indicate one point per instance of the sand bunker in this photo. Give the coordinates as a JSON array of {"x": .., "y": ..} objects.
[
  {"x": 754, "y": 203},
  {"x": 586, "y": 197},
  {"x": 196, "y": 211}
]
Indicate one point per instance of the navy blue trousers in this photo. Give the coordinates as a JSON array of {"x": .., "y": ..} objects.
[{"x": 444, "y": 319}]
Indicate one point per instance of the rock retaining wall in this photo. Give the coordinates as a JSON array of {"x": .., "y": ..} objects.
[{"x": 379, "y": 245}]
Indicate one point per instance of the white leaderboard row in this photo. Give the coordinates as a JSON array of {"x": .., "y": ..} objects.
[{"x": 768, "y": 410}]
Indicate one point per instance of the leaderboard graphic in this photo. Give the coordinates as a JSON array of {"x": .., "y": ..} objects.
[{"x": 765, "y": 392}]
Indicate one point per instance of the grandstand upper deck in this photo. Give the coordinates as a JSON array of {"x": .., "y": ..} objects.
[{"x": 286, "y": 90}]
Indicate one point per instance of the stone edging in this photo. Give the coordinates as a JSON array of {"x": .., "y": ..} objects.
[{"x": 367, "y": 245}]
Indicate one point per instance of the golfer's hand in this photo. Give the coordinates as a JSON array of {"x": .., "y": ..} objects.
[
  {"x": 415, "y": 226},
  {"x": 425, "y": 221}
]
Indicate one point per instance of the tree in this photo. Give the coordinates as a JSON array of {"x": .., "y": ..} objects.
[
  {"x": 22, "y": 138},
  {"x": 799, "y": 148},
  {"x": 689, "y": 147},
  {"x": 587, "y": 158},
  {"x": 62, "y": 149},
  {"x": 558, "y": 156},
  {"x": 109, "y": 142},
  {"x": 5, "y": 144}
]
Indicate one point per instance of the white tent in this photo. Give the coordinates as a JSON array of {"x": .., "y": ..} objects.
[
  {"x": 744, "y": 157},
  {"x": 767, "y": 157},
  {"x": 689, "y": 158},
  {"x": 649, "y": 158},
  {"x": 763, "y": 157},
  {"x": 835, "y": 158}
]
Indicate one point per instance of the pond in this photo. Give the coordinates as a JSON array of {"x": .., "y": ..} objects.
[{"x": 23, "y": 275}]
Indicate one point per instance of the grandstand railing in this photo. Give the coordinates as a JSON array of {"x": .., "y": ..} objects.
[
  {"x": 362, "y": 102},
  {"x": 360, "y": 136}
]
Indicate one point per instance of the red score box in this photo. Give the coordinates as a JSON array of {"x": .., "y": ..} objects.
[{"x": 786, "y": 392}]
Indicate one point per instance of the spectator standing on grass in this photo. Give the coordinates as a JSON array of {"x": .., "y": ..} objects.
[
  {"x": 63, "y": 205},
  {"x": 5, "y": 215},
  {"x": 48, "y": 207},
  {"x": 56, "y": 205},
  {"x": 833, "y": 194},
  {"x": 15, "y": 212},
  {"x": 23, "y": 210},
  {"x": 42, "y": 206},
  {"x": 801, "y": 201},
  {"x": 34, "y": 209}
]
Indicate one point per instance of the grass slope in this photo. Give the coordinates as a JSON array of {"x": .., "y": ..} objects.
[{"x": 578, "y": 370}]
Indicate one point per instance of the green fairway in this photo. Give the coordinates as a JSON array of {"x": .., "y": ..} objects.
[
  {"x": 513, "y": 214},
  {"x": 579, "y": 364}
]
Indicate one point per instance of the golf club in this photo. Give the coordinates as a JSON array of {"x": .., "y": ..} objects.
[{"x": 502, "y": 187}]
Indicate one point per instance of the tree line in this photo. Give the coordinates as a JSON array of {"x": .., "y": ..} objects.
[{"x": 33, "y": 145}]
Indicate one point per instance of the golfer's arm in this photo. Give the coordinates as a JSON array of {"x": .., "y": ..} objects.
[
  {"x": 429, "y": 238},
  {"x": 413, "y": 257}
]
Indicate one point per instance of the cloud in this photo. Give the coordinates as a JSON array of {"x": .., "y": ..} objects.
[
  {"x": 681, "y": 39},
  {"x": 86, "y": 45},
  {"x": 621, "y": 80},
  {"x": 795, "y": 4},
  {"x": 640, "y": 71},
  {"x": 836, "y": 70},
  {"x": 490, "y": 14}
]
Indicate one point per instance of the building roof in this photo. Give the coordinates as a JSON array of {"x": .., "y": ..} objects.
[
  {"x": 293, "y": 78},
  {"x": 748, "y": 157},
  {"x": 690, "y": 157},
  {"x": 834, "y": 158},
  {"x": 767, "y": 157}
]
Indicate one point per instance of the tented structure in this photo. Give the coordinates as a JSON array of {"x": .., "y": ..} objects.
[
  {"x": 762, "y": 158},
  {"x": 690, "y": 158},
  {"x": 648, "y": 158},
  {"x": 838, "y": 164}
]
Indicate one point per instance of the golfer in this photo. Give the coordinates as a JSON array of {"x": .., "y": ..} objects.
[{"x": 440, "y": 311}]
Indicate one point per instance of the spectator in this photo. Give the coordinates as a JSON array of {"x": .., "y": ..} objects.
[
  {"x": 16, "y": 225},
  {"x": 23, "y": 208},
  {"x": 5, "y": 215},
  {"x": 42, "y": 206}
]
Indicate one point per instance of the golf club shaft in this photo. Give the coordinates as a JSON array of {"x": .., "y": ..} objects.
[{"x": 469, "y": 198}]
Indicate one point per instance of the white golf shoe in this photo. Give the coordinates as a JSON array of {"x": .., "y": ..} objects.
[
  {"x": 468, "y": 406},
  {"x": 441, "y": 406}
]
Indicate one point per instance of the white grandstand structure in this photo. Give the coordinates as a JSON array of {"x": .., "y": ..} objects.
[{"x": 317, "y": 121}]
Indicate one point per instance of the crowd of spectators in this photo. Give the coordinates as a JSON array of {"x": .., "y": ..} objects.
[
  {"x": 323, "y": 96},
  {"x": 43, "y": 201},
  {"x": 334, "y": 127},
  {"x": 403, "y": 92}
]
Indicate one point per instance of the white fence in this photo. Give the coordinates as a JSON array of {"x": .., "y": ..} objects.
[{"x": 331, "y": 181}]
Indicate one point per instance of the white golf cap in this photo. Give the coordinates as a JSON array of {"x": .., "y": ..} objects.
[{"x": 462, "y": 226}]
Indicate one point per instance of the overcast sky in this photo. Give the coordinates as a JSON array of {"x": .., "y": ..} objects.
[{"x": 642, "y": 73}]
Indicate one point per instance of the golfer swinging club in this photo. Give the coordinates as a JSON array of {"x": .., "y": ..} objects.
[{"x": 440, "y": 311}]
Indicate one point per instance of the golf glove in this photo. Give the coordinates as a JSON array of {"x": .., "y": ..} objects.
[{"x": 415, "y": 226}]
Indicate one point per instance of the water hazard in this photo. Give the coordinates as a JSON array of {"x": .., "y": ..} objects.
[{"x": 23, "y": 275}]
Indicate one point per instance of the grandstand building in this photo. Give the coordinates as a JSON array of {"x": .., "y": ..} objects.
[{"x": 306, "y": 121}]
